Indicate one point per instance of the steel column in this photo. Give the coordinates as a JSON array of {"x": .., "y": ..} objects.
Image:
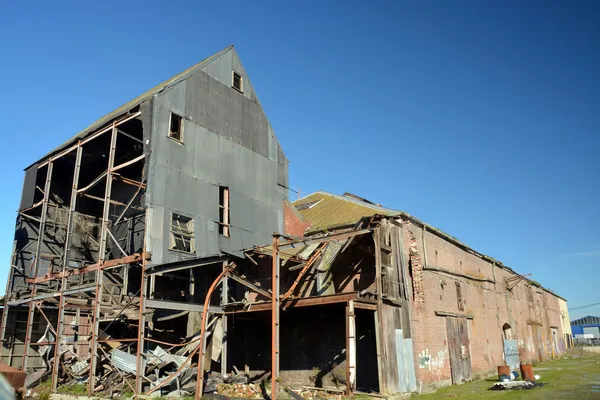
[
  {"x": 34, "y": 267},
  {"x": 101, "y": 258},
  {"x": 224, "y": 301},
  {"x": 66, "y": 258},
  {"x": 275, "y": 306}
]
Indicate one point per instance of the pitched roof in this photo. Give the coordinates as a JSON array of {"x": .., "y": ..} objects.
[
  {"x": 137, "y": 101},
  {"x": 327, "y": 210}
]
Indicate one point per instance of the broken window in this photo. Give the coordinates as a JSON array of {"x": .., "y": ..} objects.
[
  {"x": 176, "y": 127},
  {"x": 182, "y": 233},
  {"x": 237, "y": 82},
  {"x": 459, "y": 297},
  {"x": 224, "y": 211}
]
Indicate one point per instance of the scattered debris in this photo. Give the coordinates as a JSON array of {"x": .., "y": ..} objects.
[{"x": 516, "y": 385}]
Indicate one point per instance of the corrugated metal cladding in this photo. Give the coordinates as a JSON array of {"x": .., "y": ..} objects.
[{"x": 226, "y": 142}]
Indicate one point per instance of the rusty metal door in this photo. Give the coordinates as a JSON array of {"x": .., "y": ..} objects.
[{"x": 458, "y": 350}]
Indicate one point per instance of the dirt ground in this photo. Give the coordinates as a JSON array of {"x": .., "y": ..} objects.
[{"x": 573, "y": 377}]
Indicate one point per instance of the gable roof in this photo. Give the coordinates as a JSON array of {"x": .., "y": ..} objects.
[{"x": 108, "y": 118}]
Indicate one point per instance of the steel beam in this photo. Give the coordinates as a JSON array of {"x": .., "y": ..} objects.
[
  {"x": 337, "y": 236},
  {"x": 180, "y": 306}
]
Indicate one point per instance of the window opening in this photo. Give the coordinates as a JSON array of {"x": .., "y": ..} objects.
[
  {"x": 237, "y": 82},
  {"x": 176, "y": 128},
  {"x": 224, "y": 211},
  {"x": 182, "y": 233}
]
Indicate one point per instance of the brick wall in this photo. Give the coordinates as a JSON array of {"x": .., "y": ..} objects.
[
  {"x": 489, "y": 306},
  {"x": 293, "y": 222}
]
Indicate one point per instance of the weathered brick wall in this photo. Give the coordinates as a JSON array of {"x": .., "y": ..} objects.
[
  {"x": 489, "y": 306},
  {"x": 293, "y": 222}
]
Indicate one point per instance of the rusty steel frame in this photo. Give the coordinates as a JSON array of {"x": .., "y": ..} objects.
[
  {"x": 65, "y": 272},
  {"x": 34, "y": 267},
  {"x": 275, "y": 308},
  {"x": 202, "y": 345},
  {"x": 306, "y": 267}
]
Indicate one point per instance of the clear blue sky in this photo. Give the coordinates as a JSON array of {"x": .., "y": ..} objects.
[{"x": 481, "y": 118}]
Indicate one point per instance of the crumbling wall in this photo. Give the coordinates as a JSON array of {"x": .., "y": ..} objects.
[{"x": 453, "y": 281}]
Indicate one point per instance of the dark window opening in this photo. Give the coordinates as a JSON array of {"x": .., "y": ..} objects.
[
  {"x": 176, "y": 128},
  {"x": 237, "y": 82},
  {"x": 182, "y": 234},
  {"x": 459, "y": 297},
  {"x": 224, "y": 211}
]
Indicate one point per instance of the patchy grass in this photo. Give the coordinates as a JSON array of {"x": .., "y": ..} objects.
[
  {"x": 568, "y": 378},
  {"x": 77, "y": 389}
]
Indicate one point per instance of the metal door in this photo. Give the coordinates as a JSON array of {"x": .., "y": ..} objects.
[{"x": 511, "y": 354}]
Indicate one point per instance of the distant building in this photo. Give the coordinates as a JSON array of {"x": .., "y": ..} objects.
[{"x": 586, "y": 327}]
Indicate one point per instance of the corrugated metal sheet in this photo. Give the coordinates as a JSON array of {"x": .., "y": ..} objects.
[
  {"x": 141, "y": 98},
  {"x": 406, "y": 367},
  {"x": 226, "y": 142},
  {"x": 124, "y": 361},
  {"x": 163, "y": 356}
]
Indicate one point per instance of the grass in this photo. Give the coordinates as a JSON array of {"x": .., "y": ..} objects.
[{"x": 568, "y": 378}]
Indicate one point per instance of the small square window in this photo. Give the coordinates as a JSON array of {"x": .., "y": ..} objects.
[
  {"x": 176, "y": 127},
  {"x": 182, "y": 234},
  {"x": 238, "y": 84},
  {"x": 224, "y": 211}
]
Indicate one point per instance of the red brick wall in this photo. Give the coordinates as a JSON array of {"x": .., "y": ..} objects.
[
  {"x": 293, "y": 223},
  {"x": 490, "y": 304}
]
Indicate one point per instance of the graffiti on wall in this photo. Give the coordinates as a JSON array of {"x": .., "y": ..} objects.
[{"x": 432, "y": 362}]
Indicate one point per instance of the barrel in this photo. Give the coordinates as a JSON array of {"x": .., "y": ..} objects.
[
  {"x": 503, "y": 370},
  {"x": 527, "y": 372}
]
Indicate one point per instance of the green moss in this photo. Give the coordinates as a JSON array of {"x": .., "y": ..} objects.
[{"x": 78, "y": 389}]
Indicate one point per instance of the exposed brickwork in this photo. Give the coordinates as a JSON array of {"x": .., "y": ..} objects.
[
  {"x": 416, "y": 267},
  {"x": 293, "y": 222},
  {"x": 491, "y": 306}
]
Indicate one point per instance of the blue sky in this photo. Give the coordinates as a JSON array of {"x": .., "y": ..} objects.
[{"x": 481, "y": 118}]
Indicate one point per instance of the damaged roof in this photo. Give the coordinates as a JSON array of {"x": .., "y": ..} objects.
[{"x": 327, "y": 211}]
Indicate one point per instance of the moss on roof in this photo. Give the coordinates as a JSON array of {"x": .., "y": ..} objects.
[{"x": 335, "y": 211}]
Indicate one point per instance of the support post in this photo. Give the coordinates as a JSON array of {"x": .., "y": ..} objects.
[
  {"x": 101, "y": 259},
  {"x": 275, "y": 321},
  {"x": 224, "y": 301},
  {"x": 202, "y": 344},
  {"x": 350, "y": 349},
  {"x": 378, "y": 325},
  {"x": 36, "y": 262},
  {"x": 66, "y": 259},
  {"x": 141, "y": 331}
]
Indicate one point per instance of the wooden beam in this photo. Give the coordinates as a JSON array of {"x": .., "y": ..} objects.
[{"x": 249, "y": 285}]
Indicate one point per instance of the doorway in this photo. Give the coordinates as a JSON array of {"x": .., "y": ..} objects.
[{"x": 458, "y": 349}]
